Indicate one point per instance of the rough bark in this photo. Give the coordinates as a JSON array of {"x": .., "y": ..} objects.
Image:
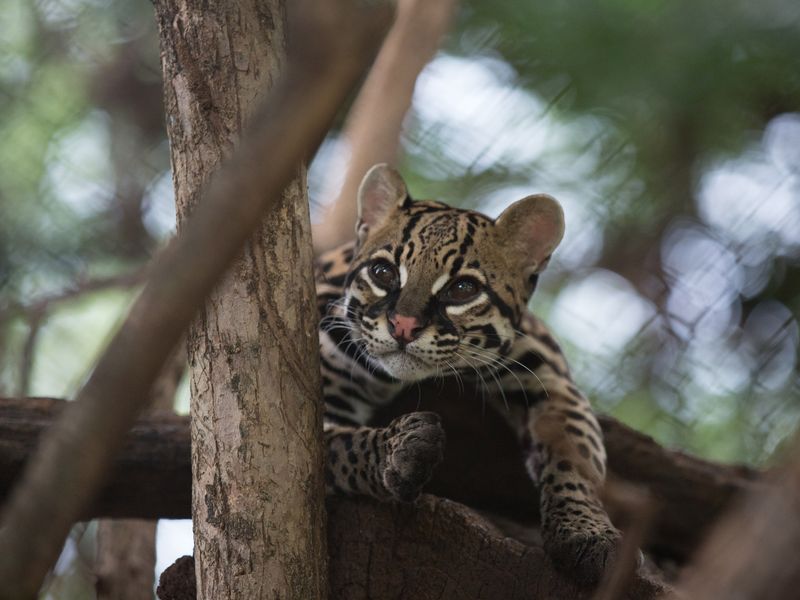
[
  {"x": 372, "y": 130},
  {"x": 396, "y": 549},
  {"x": 434, "y": 550},
  {"x": 126, "y": 548},
  {"x": 259, "y": 521},
  {"x": 257, "y": 488}
]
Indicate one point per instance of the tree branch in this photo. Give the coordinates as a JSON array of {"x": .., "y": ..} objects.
[
  {"x": 38, "y": 310},
  {"x": 372, "y": 130},
  {"x": 83, "y": 285},
  {"x": 152, "y": 476}
]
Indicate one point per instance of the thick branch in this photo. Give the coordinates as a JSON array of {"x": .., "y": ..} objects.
[
  {"x": 152, "y": 478},
  {"x": 483, "y": 468}
]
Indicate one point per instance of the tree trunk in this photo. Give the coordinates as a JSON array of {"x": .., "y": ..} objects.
[
  {"x": 259, "y": 523},
  {"x": 126, "y": 559}
]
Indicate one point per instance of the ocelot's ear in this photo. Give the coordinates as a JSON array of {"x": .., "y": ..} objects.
[
  {"x": 382, "y": 191},
  {"x": 529, "y": 230}
]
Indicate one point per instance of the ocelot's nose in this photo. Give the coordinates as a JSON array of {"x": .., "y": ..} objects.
[{"x": 404, "y": 329}]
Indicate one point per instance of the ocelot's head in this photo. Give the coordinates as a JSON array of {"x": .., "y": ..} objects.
[{"x": 432, "y": 289}]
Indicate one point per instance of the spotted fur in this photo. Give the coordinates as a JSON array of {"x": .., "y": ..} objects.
[{"x": 426, "y": 291}]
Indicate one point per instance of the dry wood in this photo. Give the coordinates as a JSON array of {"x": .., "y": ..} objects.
[
  {"x": 67, "y": 468},
  {"x": 152, "y": 478}
]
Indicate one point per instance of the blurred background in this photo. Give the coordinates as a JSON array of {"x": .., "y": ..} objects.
[{"x": 670, "y": 132}]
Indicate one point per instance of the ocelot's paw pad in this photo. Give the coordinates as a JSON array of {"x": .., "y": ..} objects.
[
  {"x": 583, "y": 554},
  {"x": 414, "y": 445}
]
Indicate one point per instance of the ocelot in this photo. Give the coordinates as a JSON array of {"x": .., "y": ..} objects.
[{"x": 425, "y": 291}]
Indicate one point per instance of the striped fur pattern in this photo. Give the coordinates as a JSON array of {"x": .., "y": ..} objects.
[{"x": 432, "y": 291}]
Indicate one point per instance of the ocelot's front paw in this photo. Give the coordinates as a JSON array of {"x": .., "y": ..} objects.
[
  {"x": 414, "y": 445},
  {"x": 585, "y": 554}
]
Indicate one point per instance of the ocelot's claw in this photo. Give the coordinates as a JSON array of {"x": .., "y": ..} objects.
[
  {"x": 586, "y": 555},
  {"x": 414, "y": 446}
]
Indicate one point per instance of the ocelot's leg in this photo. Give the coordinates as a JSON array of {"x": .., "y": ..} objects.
[
  {"x": 387, "y": 463},
  {"x": 567, "y": 457}
]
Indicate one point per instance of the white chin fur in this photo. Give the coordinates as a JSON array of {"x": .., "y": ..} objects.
[{"x": 404, "y": 367}]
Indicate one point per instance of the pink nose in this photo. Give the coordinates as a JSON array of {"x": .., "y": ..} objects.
[{"x": 404, "y": 329}]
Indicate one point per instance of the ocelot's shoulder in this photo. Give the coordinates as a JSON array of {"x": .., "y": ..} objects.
[
  {"x": 532, "y": 325},
  {"x": 536, "y": 336}
]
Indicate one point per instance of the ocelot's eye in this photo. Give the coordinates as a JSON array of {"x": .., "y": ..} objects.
[
  {"x": 462, "y": 290},
  {"x": 384, "y": 272}
]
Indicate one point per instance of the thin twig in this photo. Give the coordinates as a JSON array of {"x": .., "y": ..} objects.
[
  {"x": 35, "y": 320},
  {"x": 38, "y": 311},
  {"x": 81, "y": 286}
]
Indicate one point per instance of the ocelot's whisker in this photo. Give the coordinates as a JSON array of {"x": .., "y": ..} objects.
[
  {"x": 491, "y": 372},
  {"x": 497, "y": 361},
  {"x": 484, "y": 387},
  {"x": 516, "y": 362}
]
